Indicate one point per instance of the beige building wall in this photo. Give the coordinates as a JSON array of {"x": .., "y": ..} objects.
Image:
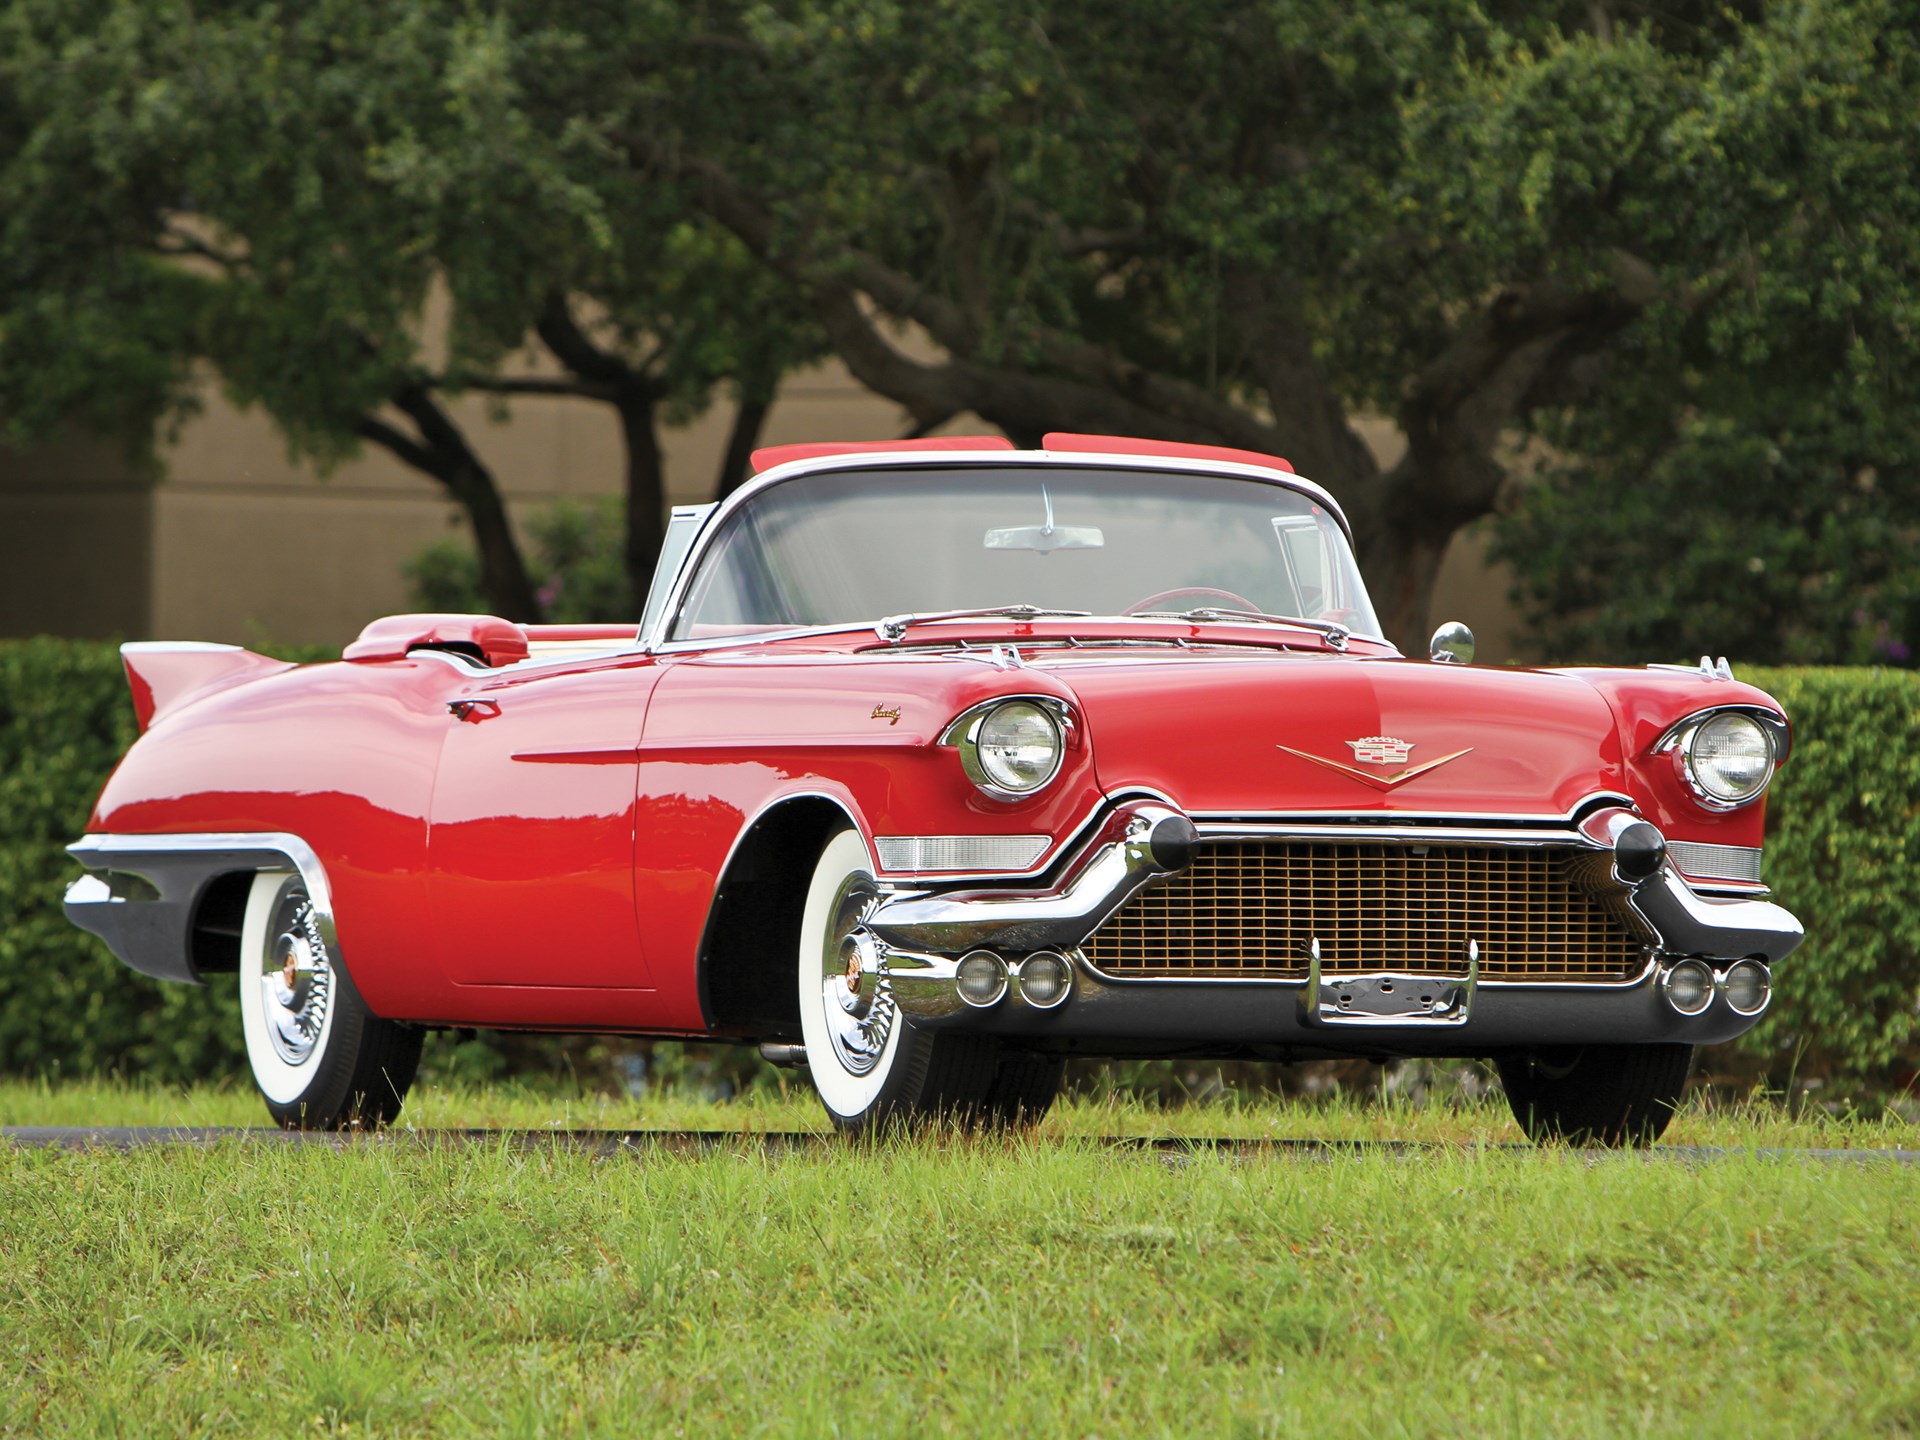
[
  {"x": 236, "y": 542},
  {"x": 76, "y": 541},
  {"x": 251, "y": 547}
]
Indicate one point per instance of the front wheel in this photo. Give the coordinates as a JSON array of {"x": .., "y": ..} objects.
[
  {"x": 321, "y": 1059},
  {"x": 1596, "y": 1094},
  {"x": 872, "y": 1068}
]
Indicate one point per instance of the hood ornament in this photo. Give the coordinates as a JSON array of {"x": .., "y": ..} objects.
[{"x": 1378, "y": 750}]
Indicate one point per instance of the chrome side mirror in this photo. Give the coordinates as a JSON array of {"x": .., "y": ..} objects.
[{"x": 1452, "y": 644}]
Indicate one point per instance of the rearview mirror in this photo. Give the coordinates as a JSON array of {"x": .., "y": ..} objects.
[{"x": 1045, "y": 539}]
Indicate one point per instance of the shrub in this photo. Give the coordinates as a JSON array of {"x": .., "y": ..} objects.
[
  {"x": 1843, "y": 853},
  {"x": 577, "y": 563},
  {"x": 66, "y": 1004}
]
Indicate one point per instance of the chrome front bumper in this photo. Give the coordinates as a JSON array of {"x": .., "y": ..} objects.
[{"x": 920, "y": 938}]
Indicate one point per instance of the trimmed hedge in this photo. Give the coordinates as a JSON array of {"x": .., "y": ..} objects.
[
  {"x": 67, "y": 1006},
  {"x": 1843, "y": 854}
]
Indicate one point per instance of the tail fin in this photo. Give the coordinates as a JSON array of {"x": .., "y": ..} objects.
[{"x": 164, "y": 674}]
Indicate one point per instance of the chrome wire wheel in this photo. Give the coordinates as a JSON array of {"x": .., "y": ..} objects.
[
  {"x": 872, "y": 1066},
  {"x": 856, "y": 993},
  {"x": 288, "y": 988},
  {"x": 297, "y": 983},
  {"x": 848, "y": 1017},
  {"x": 321, "y": 1058}
]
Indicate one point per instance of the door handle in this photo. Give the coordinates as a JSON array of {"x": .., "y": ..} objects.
[{"x": 474, "y": 711}]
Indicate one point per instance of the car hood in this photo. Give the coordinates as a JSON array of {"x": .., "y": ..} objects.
[{"x": 1241, "y": 734}]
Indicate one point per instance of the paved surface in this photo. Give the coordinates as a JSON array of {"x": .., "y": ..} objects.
[{"x": 695, "y": 1142}]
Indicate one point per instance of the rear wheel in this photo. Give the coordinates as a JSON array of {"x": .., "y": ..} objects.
[
  {"x": 871, "y": 1067},
  {"x": 321, "y": 1059},
  {"x": 1596, "y": 1094}
]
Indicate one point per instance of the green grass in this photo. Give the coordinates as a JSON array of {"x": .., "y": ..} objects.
[
  {"x": 1040, "y": 1284},
  {"x": 1449, "y": 1119}
]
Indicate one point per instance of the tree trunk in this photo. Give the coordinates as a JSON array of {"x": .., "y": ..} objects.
[
  {"x": 440, "y": 450},
  {"x": 737, "y": 464},
  {"x": 646, "y": 491},
  {"x": 1400, "y": 565},
  {"x": 503, "y": 573}
]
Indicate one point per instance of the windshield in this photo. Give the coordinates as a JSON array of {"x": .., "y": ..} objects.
[{"x": 849, "y": 546}]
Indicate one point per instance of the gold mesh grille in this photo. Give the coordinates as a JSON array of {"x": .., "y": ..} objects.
[{"x": 1251, "y": 907}]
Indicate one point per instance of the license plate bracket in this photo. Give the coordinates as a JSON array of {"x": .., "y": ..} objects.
[{"x": 1389, "y": 997}]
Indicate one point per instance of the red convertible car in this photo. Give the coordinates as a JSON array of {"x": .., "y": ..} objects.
[{"x": 932, "y": 764}]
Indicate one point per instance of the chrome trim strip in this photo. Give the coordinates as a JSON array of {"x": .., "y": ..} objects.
[
  {"x": 1430, "y": 834},
  {"x": 1481, "y": 982},
  {"x": 178, "y": 647},
  {"x": 1363, "y": 819},
  {"x": 101, "y": 852}
]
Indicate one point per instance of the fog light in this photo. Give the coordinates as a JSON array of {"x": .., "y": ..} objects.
[
  {"x": 1748, "y": 987},
  {"x": 1688, "y": 986},
  {"x": 1045, "y": 979},
  {"x": 981, "y": 978}
]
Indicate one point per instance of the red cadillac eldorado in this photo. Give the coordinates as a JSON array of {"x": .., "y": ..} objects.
[{"x": 931, "y": 764}]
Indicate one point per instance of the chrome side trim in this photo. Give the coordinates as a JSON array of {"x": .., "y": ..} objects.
[
  {"x": 154, "y": 935},
  {"x": 177, "y": 647}
]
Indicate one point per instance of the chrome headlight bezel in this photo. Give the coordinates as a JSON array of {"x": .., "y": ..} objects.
[
  {"x": 965, "y": 732},
  {"x": 1683, "y": 739}
]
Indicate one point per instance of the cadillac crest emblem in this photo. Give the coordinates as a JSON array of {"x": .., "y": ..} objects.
[{"x": 1380, "y": 750}]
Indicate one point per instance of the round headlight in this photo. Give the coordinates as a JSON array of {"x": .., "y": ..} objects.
[
  {"x": 1729, "y": 758},
  {"x": 1017, "y": 747}
]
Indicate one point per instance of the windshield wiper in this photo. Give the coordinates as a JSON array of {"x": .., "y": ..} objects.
[
  {"x": 1335, "y": 632},
  {"x": 893, "y": 628}
]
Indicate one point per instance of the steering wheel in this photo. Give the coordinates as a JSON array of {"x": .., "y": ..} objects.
[{"x": 1159, "y": 601}]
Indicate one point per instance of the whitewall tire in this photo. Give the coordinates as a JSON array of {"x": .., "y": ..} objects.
[
  {"x": 321, "y": 1059},
  {"x": 870, "y": 1066}
]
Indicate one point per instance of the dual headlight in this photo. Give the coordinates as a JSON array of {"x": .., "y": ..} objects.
[
  {"x": 1012, "y": 748},
  {"x": 1726, "y": 757}
]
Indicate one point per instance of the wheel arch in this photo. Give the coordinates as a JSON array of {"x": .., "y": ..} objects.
[
  {"x": 745, "y": 967},
  {"x": 172, "y": 905}
]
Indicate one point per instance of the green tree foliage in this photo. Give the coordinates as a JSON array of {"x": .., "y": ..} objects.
[
  {"x": 1727, "y": 542},
  {"x": 1243, "y": 223},
  {"x": 1747, "y": 479},
  {"x": 287, "y": 194},
  {"x": 1607, "y": 228}
]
